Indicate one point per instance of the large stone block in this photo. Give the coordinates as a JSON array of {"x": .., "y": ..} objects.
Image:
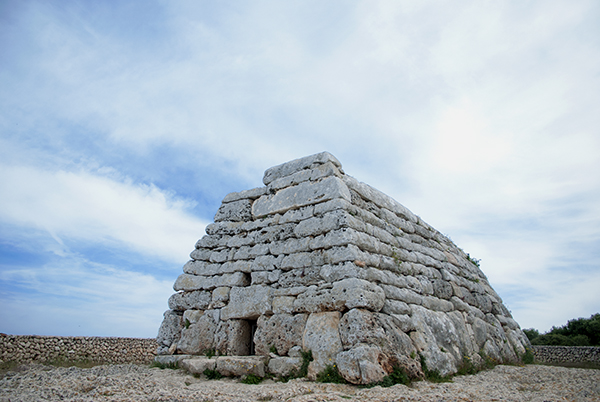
[
  {"x": 283, "y": 366},
  {"x": 307, "y": 193},
  {"x": 362, "y": 364},
  {"x": 291, "y": 167},
  {"x": 237, "y": 366},
  {"x": 170, "y": 328},
  {"x": 283, "y": 331},
  {"x": 188, "y": 282},
  {"x": 239, "y": 338},
  {"x": 248, "y": 302},
  {"x": 197, "y": 365},
  {"x": 322, "y": 337},
  {"x": 199, "y": 337},
  {"x": 343, "y": 295},
  {"x": 236, "y": 211},
  {"x": 197, "y": 299}
]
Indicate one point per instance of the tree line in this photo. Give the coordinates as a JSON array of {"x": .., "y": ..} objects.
[{"x": 577, "y": 332}]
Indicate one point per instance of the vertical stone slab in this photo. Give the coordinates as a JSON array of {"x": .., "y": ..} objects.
[{"x": 322, "y": 337}]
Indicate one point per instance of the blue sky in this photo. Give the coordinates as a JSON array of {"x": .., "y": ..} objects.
[{"x": 123, "y": 124}]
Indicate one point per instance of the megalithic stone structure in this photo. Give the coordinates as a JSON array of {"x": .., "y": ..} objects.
[{"x": 316, "y": 260}]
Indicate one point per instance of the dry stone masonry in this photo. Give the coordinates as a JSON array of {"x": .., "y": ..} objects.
[{"x": 316, "y": 260}]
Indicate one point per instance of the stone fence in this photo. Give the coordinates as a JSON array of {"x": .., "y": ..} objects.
[
  {"x": 34, "y": 348},
  {"x": 575, "y": 355}
]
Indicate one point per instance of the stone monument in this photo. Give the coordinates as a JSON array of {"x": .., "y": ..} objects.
[{"x": 318, "y": 261}]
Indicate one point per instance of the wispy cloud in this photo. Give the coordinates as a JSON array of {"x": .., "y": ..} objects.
[{"x": 123, "y": 125}]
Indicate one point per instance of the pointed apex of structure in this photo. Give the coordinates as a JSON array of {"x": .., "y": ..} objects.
[{"x": 319, "y": 261}]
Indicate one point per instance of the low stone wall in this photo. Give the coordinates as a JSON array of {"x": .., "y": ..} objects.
[
  {"x": 589, "y": 355},
  {"x": 34, "y": 348}
]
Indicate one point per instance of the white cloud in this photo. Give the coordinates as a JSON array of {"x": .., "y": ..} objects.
[
  {"x": 79, "y": 297},
  {"x": 98, "y": 209}
]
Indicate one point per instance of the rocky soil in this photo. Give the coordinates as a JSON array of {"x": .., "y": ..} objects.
[{"x": 143, "y": 383}]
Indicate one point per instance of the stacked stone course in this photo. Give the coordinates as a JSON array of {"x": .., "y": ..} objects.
[
  {"x": 33, "y": 348},
  {"x": 316, "y": 260},
  {"x": 589, "y": 355}
]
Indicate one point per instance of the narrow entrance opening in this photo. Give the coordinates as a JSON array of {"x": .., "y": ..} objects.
[{"x": 252, "y": 331}]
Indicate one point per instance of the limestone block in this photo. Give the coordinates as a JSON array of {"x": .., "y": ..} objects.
[
  {"x": 170, "y": 328},
  {"x": 380, "y": 199},
  {"x": 391, "y": 306},
  {"x": 435, "y": 304},
  {"x": 236, "y": 211},
  {"x": 404, "y": 322},
  {"x": 301, "y": 276},
  {"x": 197, "y": 365},
  {"x": 507, "y": 322},
  {"x": 201, "y": 254},
  {"x": 220, "y": 296},
  {"x": 283, "y": 304},
  {"x": 297, "y": 215},
  {"x": 251, "y": 194},
  {"x": 346, "y": 294},
  {"x": 321, "y": 336},
  {"x": 402, "y": 294},
  {"x": 442, "y": 289},
  {"x": 290, "y": 246},
  {"x": 192, "y": 282},
  {"x": 171, "y": 359},
  {"x": 196, "y": 299},
  {"x": 192, "y": 316},
  {"x": 359, "y": 326},
  {"x": 209, "y": 241},
  {"x": 336, "y": 255},
  {"x": 283, "y": 331},
  {"x": 241, "y": 365},
  {"x": 334, "y": 273},
  {"x": 266, "y": 263},
  {"x": 437, "y": 340},
  {"x": 303, "y": 194},
  {"x": 319, "y": 225},
  {"x": 396, "y": 344},
  {"x": 332, "y": 205},
  {"x": 483, "y": 302},
  {"x": 360, "y": 365},
  {"x": 198, "y": 337},
  {"x": 248, "y": 302},
  {"x": 244, "y": 239},
  {"x": 283, "y": 366},
  {"x": 301, "y": 260},
  {"x": 340, "y": 237},
  {"x": 220, "y": 256},
  {"x": 288, "y": 168},
  {"x": 239, "y": 337},
  {"x": 324, "y": 170},
  {"x": 201, "y": 268}
]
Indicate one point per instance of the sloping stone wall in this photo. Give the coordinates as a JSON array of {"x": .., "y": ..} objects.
[
  {"x": 33, "y": 348},
  {"x": 566, "y": 354},
  {"x": 318, "y": 260}
]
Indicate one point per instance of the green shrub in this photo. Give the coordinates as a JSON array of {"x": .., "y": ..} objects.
[
  {"x": 252, "y": 379},
  {"x": 398, "y": 376},
  {"x": 331, "y": 374},
  {"x": 212, "y": 374},
  {"x": 433, "y": 375},
  {"x": 527, "y": 357}
]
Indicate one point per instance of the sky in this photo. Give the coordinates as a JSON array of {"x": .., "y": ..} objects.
[{"x": 123, "y": 124}]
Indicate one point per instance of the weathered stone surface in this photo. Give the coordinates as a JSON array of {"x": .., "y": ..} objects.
[
  {"x": 220, "y": 296},
  {"x": 239, "y": 338},
  {"x": 248, "y": 303},
  {"x": 170, "y": 328},
  {"x": 236, "y": 211},
  {"x": 199, "y": 337},
  {"x": 171, "y": 359},
  {"x": 359, "y": 326},
  {"x": 283, "y": 366},
  {"x": 239, "y": 366},
  {"x": 188, "y": 282},
  {"x": 324, "y": 170},
  {"x": 306, "y": 193},
  {"x": 322, "y": 337},
  {"x": 197, "y": 365},
  {"x": 251, "y": 194},
  {"x": 288, "y": 168},
  {"x": 346, "y": 294},
  {"x": 189, "y": 300},
  {"x": 360, "y": 365},
  {"x": 282, "y": 331}
]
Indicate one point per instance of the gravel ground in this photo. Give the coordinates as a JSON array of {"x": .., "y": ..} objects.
[{"x": 142, "y": 383}]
